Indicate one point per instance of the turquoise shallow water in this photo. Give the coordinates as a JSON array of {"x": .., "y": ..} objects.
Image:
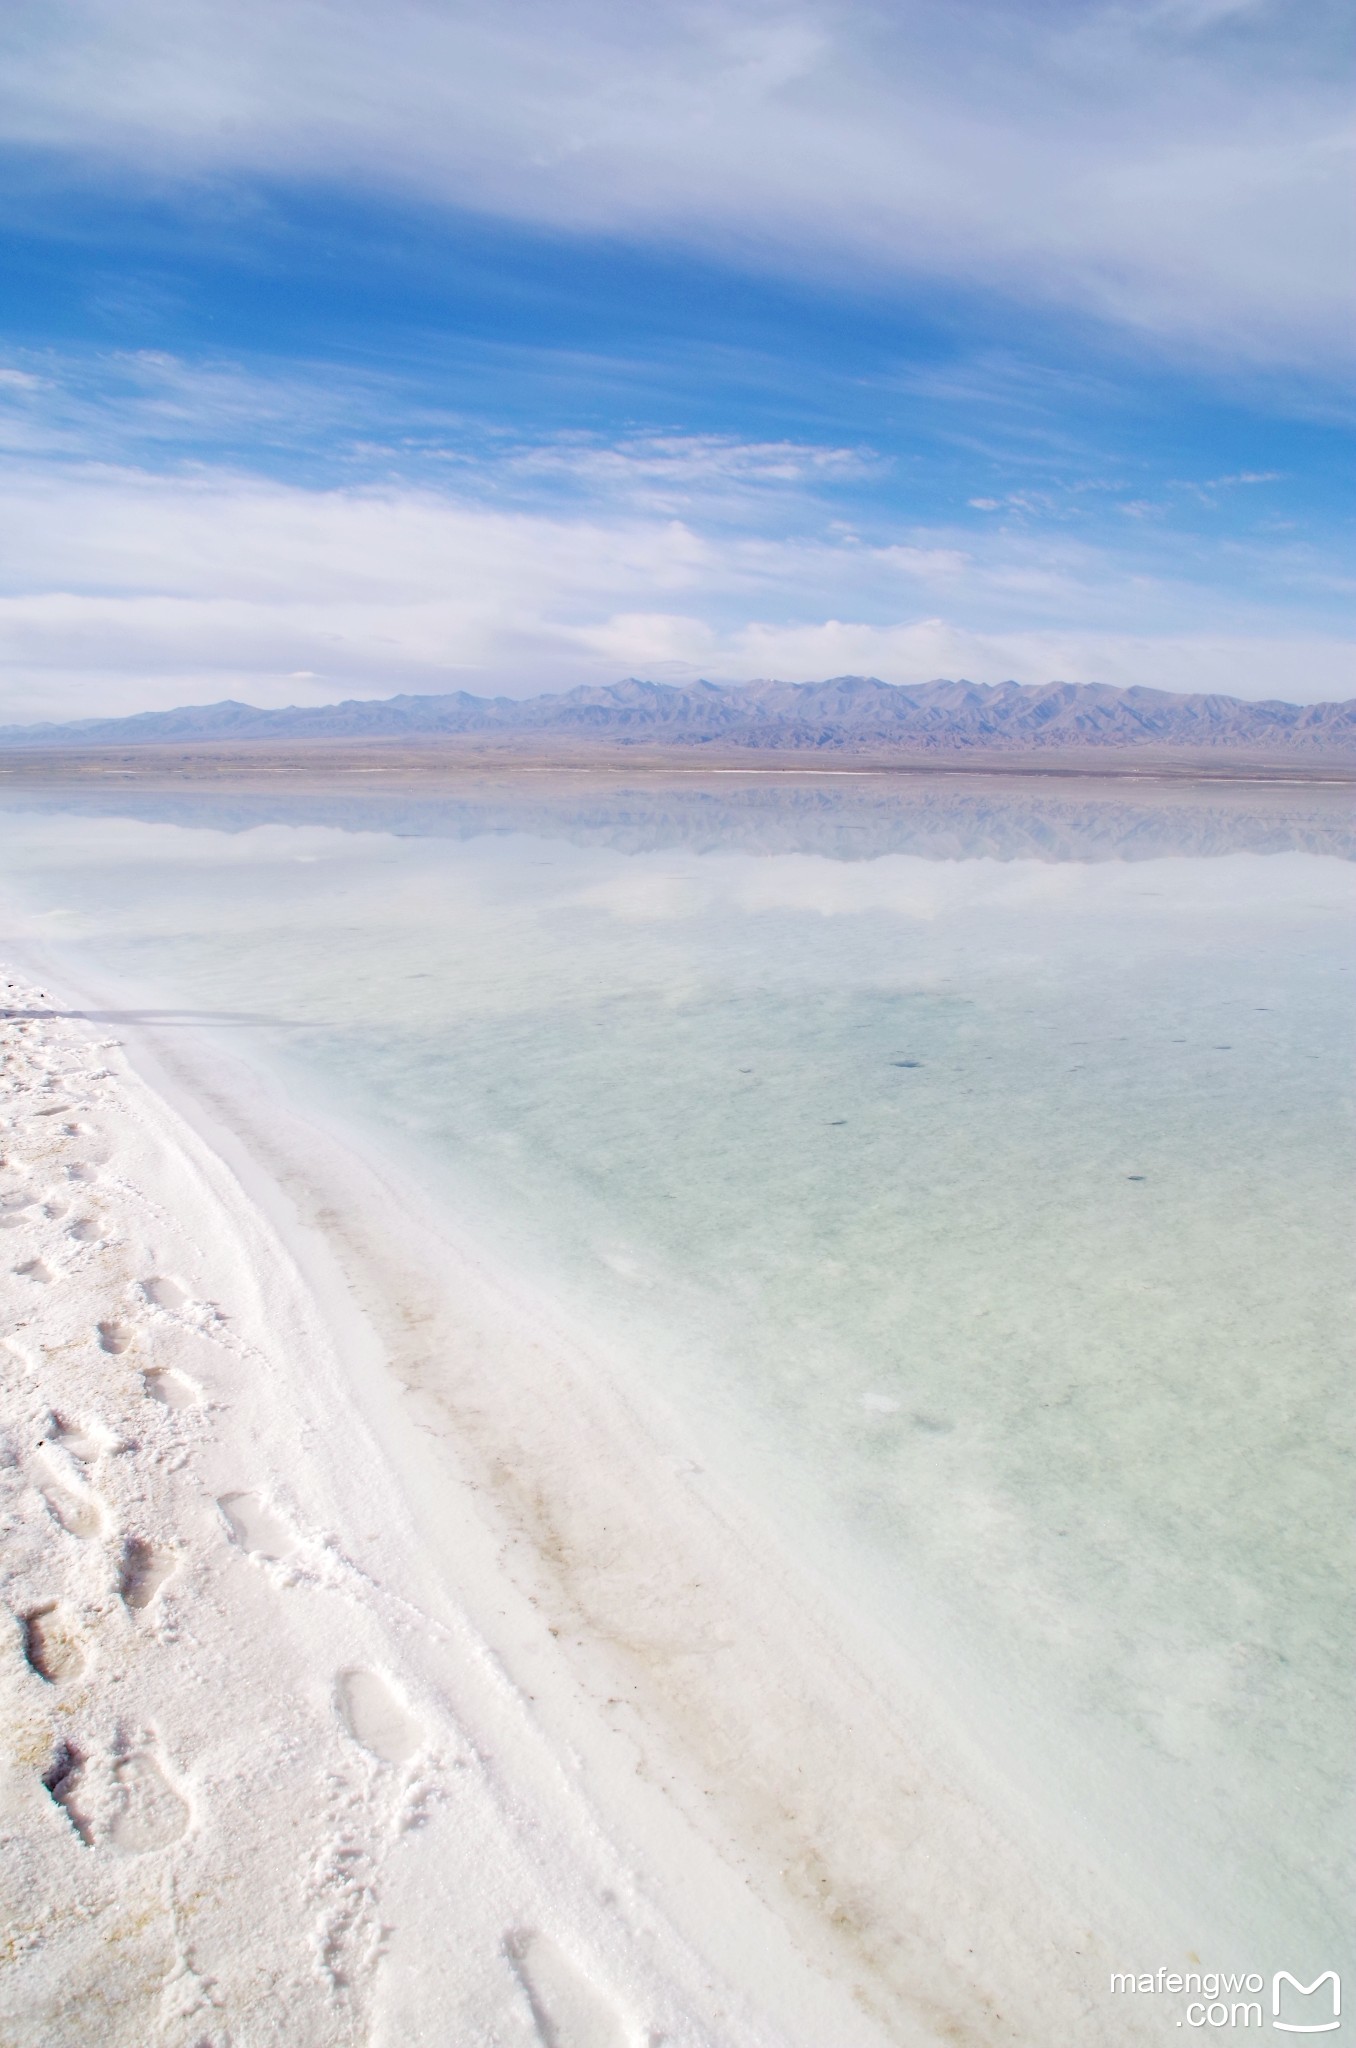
[{"x": 976, "y": 1178}]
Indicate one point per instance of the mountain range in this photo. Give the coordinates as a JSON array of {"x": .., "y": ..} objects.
[{"x": 858, "y": 714}]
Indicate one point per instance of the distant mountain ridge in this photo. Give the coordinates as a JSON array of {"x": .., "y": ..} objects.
[{"x": 857, "y": 713}]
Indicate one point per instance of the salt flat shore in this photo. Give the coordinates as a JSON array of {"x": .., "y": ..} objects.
[{"x": 376, "y": 1674}]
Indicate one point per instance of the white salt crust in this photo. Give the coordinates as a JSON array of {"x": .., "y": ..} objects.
[{"x": 376, "y": 1676}]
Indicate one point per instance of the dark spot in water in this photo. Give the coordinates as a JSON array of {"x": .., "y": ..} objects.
[
  {"x": 838, "y": 1123},
  {"x": 1136, "y": 1176},
  {"x": 1223, "y": 1048},
  {"x": 906, "y": 1063},
  {"x": 935, "y": 1425}
]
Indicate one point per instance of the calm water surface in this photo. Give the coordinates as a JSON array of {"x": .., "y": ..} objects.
[{"x": 975, "y": 1170}]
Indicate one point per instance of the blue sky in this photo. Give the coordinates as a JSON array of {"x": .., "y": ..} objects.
[{"x": 348, "y": 351}]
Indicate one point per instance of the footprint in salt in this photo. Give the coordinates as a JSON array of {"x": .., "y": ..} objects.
[
  {"x": 149, "y": 1813},
  {"x": 80, "y": 1171},
  {"x": 52, "y": 1644},
  {"x": 376, "y": 1718},
  {"x": 171, "y": 1388},
  {"x": 64, "y": 1780},
  {"x": 115, "y": 1337},
  {"x": 36, "y": 1269},
  {"x": 85, "y": 1441},
  {"x": 568, "y": 2009},
  {"x": 86, "y": 1230},
  {"x": 80, "y": 1514},
  {"x": 256, "y": 1528},
  {"x": 144, "y": 1570},
  {"x": 163, "y": 1292}
]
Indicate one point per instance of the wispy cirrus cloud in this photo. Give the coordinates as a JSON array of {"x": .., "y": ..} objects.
[
  {"x": 1180, "y": 171},
  {"x": 149, "y": 406},
  {"x": 671, "y": 471}
]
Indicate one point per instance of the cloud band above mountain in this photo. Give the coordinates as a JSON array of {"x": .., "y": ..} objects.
[{"x": 1176, "y": 167}]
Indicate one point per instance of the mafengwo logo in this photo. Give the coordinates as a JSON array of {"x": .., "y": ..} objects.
[
  {"x": 1323, "y": 2017},
  {"x": 1216, "y": 1999}
]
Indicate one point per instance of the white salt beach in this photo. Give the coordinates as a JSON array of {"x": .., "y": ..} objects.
[
  {"x": 294, "y": 1751},
  {"x": 511, "y": 1539}
]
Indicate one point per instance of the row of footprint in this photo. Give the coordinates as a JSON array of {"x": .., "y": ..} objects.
[
  {"x": 127, "y": 1796},
  {"x": 148, "y": 1812},
  {"x": 131, "y": 1803}
]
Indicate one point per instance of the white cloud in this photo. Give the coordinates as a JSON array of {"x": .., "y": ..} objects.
[
  {"x": 1179, "y": 166},
  {"x": 666, "y": 473},
  {"x": 127, "y": 402},
  {"x": 1301, "y": 668},
  {"x": 129, "y": 590},
  {"x": 135, "y": 406}
]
